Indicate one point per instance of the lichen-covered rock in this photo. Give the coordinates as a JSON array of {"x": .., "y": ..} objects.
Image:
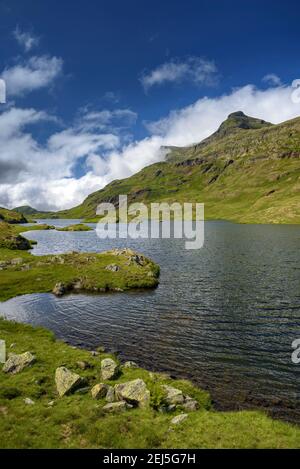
[
  {"x": 190, "y": 404},
  {"x": 134, "y": 392},
  {"x": 99, "y": 390},
  {"x": 110, "y": 395},
  {"x": 179, "y": 419},
  {"x": 66, "y": 381},
  {"x": 16, "y": 363},
  {"x": 115, "y": 407},
  {"x": 59, "y": 289},
  {"x": 109, "y": 369},
  {"x": 130, "y": 364},
  {"x": 173, "y": 395},
  {"x": 112, "y": 268}
]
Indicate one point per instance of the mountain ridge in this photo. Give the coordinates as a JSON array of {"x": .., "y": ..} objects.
[{"x": 247, "y": 171}]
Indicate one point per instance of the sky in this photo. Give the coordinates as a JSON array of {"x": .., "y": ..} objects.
[{"x": 94, "y": 89}]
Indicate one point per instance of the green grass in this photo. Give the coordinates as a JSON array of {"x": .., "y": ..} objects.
[
  {"x": 78, "y": 421},
  {"x": 10, "y": 216}
]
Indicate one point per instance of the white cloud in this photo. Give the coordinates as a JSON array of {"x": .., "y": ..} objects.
[
  {"x": 272, "y": 79},
  {"x": 194, "y": 69},
  {"x": 44, "y": 175},
  {"x": 36, "y": 73},
  {"x": 26, "y": 39}
]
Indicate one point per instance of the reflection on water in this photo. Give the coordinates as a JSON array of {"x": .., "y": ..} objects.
[{"x": 225, "y": 315}]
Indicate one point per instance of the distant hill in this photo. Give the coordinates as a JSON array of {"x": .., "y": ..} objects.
[
  {"x": 32, "y": 212},
  {"x": 248, "y": 171},
  {"x": 11, "y": 216}
]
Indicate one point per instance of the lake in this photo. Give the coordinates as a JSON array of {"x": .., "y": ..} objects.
[{"x": 224, "y": 316}]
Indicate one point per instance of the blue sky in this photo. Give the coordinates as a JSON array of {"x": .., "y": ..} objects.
[{"x": 94, "y": 87}]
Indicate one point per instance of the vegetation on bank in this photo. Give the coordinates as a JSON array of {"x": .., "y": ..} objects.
[
  {"x": 77, "y": 227},
  {"x": 33, "y": 416},
  {"x": 10, "y": 216},
  {"x": 22, "y": 273}
]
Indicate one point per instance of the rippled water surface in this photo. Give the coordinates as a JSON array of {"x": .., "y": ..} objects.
[{"x": 225, "y": 315}]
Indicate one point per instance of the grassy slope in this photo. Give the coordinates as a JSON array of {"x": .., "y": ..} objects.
[
  {"x": 78, "y": 420},
  {"x": 10, "y": 216},
  {"x": 243, "y": 175},
  {"x": 32, "y": 274}
]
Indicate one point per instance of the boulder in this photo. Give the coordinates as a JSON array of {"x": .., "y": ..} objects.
[
  {"x": 83, "y": 365},
  {"x": 115, "y": 407},
  {"x": 66, "y": 381},
  {"x": 134, "y": 392},
  {"x": 130, "y": 364},
  {"x": 112, "y": 268},
  {"x": 173, "y": 395},
  {"x": 110, "y": 395},
  {"x": 16, "y": 363},
  {"x": 109, "y": 369},
  {"x": 179, "y": 419},
  {"x": 190, "y": 405},
  {"x": 59, "y": 289},
  {"x": 28, "y": 401},
  {"x": 99, "y": 391}
]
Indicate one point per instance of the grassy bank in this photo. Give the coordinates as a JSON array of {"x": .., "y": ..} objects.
[
  {"x": 79, "y": 421},
  {"x": 22, "y": 273}
]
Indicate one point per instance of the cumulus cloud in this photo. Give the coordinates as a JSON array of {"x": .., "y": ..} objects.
[
  {"x": 45, "y": 175},
  {"x": 193, "y": 69},
  {"x": 272, "y": 79},
  {"x": 35, "y": 73},
  {"x": 26, "y": 39}
]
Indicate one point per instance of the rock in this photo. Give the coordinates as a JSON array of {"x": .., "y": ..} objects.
[
  {"x": 110, "y": 396},
  {"x": 66, "y": 381},
  {"x": 173, "y": 395},
  {"x": 179, "y": 419},
  {"x": 190, "y": 404},
  {"x": 112, "y": 267},
  {"x": 16, "y": 261},
  {"x": 16, "y": 363},
  {"x": 83, "y": 365},
  {"x": 101, "y": 349},
  {"x": 130, "y": 364},
  {"x": 28, "y": 401},
  {"x": 109, "y": 369},
  {"x": 134, "y": 392},
  {"x": 60, "y": 289},
  {"x": 99, "y": 390},
  {"x": 94, "y": 353},
  {"x": 50, "y": 404},
  {"x": 115, "y": 407}
]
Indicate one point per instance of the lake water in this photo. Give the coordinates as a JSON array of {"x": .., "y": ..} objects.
[{"x": 224, "y": 316}]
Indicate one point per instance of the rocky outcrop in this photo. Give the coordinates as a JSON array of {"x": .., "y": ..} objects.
[
  {"x": 67, "y": 381},
  {"x": 133, "y": 392},
  {"x": 16, "y": 363},
  {"x": 130, "y": 364},
  {"x": 109, "y": 369}
]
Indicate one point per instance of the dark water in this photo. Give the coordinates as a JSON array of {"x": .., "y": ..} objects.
[{"x": 225, "y": 315}]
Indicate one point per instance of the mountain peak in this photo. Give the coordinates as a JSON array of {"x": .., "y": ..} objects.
[{"x": 239, "y": 120}]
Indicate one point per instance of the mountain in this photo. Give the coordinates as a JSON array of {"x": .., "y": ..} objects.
[
  {"x": 247, "y": 171},
  {"x": 10, "y": 216}
]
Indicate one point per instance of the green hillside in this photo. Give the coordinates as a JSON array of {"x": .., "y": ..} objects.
[
  {"x": 248, "y": 171},
  {"x": 10, "y": 216}
]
